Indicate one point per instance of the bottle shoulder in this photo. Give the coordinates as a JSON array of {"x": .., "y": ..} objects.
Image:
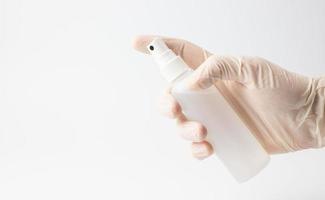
[{"x": 179, "y": 85}]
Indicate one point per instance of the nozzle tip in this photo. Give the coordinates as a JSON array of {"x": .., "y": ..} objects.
[{"x": 157, "y": 46}]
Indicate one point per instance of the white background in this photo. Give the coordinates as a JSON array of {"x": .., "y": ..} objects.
[{"x": 78, "y": 117}]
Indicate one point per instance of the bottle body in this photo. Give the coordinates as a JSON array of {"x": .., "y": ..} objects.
[{"x": 233, "y": 143}]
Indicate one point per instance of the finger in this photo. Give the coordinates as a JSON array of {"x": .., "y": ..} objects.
[
  {"x": 193, "y": 131},
  {"x": 217, "y": 68},
  {"x": 168, "y": 106},
  {"x": 192, "y": 54},
  {"x": 201, "y": 150}
]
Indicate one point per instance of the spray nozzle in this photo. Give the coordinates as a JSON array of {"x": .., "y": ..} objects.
[
  {"x": 157, "y": 47},
  {"x": 171, "y": 65}
]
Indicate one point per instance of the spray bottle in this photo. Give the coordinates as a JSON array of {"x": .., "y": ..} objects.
[{"x": 233, "y": 143}]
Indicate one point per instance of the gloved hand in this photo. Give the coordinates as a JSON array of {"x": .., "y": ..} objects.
[{"x": 284, "y": 110}]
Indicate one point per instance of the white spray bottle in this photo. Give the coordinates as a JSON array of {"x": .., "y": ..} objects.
[{"x": 233, "y": 143}]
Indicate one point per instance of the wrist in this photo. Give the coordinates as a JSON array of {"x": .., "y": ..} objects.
[{"x": 317, "y": 113}]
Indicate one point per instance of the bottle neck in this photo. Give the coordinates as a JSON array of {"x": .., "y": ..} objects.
[
  {"x": 164, "y": 58},
  {"x": 173, "y": 68}
]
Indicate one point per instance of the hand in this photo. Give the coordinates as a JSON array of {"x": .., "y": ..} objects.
[{"x": 284, "y": 110}]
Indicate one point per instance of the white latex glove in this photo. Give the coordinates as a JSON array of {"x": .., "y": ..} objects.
[{"x": 284, "y": 110}]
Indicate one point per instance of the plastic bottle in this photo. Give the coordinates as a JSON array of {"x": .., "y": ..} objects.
[{"x": 233, "y": 143}]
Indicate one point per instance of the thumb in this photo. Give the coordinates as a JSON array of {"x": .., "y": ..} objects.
[{"x": 215, "y": 68}]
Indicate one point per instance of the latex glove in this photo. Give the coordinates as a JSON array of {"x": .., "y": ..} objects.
[{"x": 284, "y": 110}]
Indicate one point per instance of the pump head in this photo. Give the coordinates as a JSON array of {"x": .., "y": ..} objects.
[{"x": 171, "y": 66}]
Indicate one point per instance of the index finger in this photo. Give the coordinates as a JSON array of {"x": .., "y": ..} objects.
[{"x": 192, "y": 54}]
